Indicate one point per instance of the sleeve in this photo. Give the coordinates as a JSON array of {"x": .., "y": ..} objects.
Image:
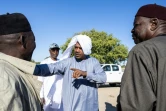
[
  {"x": 50, "y": 69},
  {"x": 40, "y": 78},
  {"x": 10, "y": 99},
  {"x": 136, "y": 93},
  {"x": 99, "y": 75}
]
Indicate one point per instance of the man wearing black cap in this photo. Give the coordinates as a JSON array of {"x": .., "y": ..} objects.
[
  {"x": 17, "y": 42},
  {"x": 51, "y": 90},
  {"x": 144, "y": 80}
]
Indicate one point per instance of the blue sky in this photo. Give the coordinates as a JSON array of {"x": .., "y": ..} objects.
[{"x": 57, "y": 20}]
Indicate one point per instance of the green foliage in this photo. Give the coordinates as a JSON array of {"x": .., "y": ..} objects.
[
  {"x": 34, "y": 61},
  {"x": 105, "y": 47},
  {"x": 37, "y": 62}
]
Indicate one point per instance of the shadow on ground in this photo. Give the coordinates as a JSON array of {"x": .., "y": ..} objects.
[
  {"x": 105, "y": 86},
  {"x": 109, "y": 107}
]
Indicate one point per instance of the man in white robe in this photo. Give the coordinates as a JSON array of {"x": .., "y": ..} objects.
[{"x": 51, "y": 90}]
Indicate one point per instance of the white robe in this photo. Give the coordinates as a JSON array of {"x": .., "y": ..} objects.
[{"x": 51, "y": 90}]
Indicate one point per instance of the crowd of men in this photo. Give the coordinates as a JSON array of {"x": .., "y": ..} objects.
[{"x": 69, "y": 83}]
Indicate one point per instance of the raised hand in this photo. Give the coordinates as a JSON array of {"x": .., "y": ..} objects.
[
  {"x": 77, "y": 73},
  {"x": 42, "y": 101}
]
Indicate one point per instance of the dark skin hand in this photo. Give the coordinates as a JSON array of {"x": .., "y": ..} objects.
[
  {"x": 77, "y": 73},
  {"x": 42, "y": 101}
]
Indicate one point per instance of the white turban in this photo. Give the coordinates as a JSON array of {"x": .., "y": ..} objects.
[{"x": 83, "y": 40}]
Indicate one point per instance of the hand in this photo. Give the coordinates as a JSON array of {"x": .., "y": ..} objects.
[
  {"x": 77, "y": 73},
  {"x": 42, "y": 101}
]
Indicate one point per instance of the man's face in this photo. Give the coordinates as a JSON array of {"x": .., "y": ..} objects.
[
  {"x": 29, "y": 46},
  {"x": 141, "y": 29},
  {"x": 54, "y": 52},
  {"x": 79, "y": 54}
]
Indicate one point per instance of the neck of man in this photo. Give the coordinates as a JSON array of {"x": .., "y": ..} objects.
[
  {"x": 161, "y": 30},
  {"x": 85, "y": 57},
  {"x": 54, "y": 59},
  {"x": 11, "y": 52}
]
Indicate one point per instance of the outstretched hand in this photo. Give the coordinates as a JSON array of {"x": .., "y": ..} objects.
[
  {"x": 42, "y": 101},
  {"x": 77, "y": 73}
]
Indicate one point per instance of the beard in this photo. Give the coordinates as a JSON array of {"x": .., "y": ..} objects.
[
  {"x": 137, "y": 38},
  {"x": 28, "y": 58}
]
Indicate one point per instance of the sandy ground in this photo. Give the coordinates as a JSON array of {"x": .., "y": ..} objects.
[{"x": 107, "y": 98}]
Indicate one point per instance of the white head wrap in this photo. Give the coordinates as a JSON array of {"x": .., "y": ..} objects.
[{"x": 85, "y": 43}]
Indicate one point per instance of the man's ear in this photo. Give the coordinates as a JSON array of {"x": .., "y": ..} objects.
[
  {"x": 154, "y": 24},
  {"x": 22, "y": 41}
]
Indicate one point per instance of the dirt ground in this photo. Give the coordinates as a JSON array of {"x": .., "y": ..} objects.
[{"x": 107, "y": 98}]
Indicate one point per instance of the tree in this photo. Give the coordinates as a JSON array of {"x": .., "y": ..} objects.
[
  {"x": 105, "y": 47},
  {"x": 34, "y": 61}
]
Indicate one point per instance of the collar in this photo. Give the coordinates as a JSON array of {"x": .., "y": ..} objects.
[{"x": 25, "y": 66}]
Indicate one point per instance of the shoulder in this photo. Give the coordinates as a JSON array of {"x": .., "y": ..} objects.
[
  {"x": 6, "y": 66},
  {"x": 150, "y": 46},
  {"x": 140, "y": 50},
  {"x": 8, "y": 76},
  {"x": 93, "y": 60},
  {"x": 149, "y": 51}
]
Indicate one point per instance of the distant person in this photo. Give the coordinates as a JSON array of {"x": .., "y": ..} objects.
[
  {"x": 143, "y": 86},
  {"x": 51, "y": 91},
  {"x": 17, "y": 43},
  {"x": 81, "y": 73}
]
